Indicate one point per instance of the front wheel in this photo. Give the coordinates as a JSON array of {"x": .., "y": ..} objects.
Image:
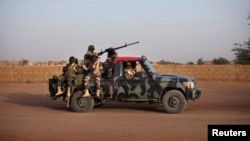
[
  {"x": 174, "y": 102},
  {"x": 81, "y": 104}
]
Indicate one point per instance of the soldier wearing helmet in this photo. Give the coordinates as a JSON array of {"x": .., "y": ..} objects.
[
  {"x": 95, "y": 70},
  {"x": 71, "y": 67},
  {"x": 129, "y": 71},
  {"x": 88, "y": 56},
  {"x": 66, "y": 78},
  {"x": 71, "y": 71}
]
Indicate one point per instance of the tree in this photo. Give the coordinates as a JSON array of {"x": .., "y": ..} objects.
[
  {"x": 242, "y": 51},
  {"x": 24, "y": 62},
  {"x": 163, "y": 62},
  {"x": 200, "y": 61},
  {"x": 220, "y": 61},
  {"x": 190, "y": 63}
]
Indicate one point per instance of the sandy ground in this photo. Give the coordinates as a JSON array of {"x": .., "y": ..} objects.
[{"x": 26, "y": 114}]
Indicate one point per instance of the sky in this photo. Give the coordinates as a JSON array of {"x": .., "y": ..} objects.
[{"x": 170, "y": 30}]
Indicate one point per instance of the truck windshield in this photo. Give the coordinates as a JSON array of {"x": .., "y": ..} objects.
[{"x": 151, "y": 68}]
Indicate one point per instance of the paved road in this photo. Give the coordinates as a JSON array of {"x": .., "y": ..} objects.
[{"x": 26, "y": 114}]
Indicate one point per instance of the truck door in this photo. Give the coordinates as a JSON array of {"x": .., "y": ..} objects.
[
  {"x": 118, "y": 71},
  {"x": 120, "y": 91}
]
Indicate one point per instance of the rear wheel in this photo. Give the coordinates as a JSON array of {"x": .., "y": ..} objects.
[
  {"x": 174, "y": 102},
  {"x": 81, "y": 104}
]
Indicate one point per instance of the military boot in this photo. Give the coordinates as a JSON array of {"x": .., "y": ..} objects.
[
  {"x": 86, "y": 93},
  {"x": 98, "y": 93},
  {"x": 68, "y": 96},
  {"x": 59, "y": 91},
  {"x": 56, "y": 95}
]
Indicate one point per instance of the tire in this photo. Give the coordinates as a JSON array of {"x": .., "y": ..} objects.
[
  {"x": 174, "y": 102},
  {"x": 81, "y": 104}
]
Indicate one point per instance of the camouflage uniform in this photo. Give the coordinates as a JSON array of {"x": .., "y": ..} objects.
[
  {"x": 88, "y": 56},
  {"x": 71, "y": 70},
  {"x": 108, "y": 70},
  {"x": 78, "y": 69},
  {"x": 66, "y": 78},
  {"x": 95, "y": 70}
]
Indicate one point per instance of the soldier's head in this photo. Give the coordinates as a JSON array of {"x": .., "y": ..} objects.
[
  {"x": 71, "y": 59},
  {"x": 128, "y": 64},
  {"x": 91, "y": 48}
]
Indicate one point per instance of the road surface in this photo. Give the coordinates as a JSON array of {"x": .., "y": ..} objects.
[{"x": 26, "y": 114}]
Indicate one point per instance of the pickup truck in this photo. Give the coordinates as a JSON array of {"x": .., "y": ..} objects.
[{"x": 172, "y": 91}]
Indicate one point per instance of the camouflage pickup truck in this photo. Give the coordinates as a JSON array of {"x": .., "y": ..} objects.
[{"x": 147, "y": 86}]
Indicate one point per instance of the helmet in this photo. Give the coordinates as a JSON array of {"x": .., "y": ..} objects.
[
  {"x": 91, "y": 47},
  {"x": 71, "y": 59}
]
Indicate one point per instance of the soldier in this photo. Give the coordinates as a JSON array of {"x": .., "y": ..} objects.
[
  {"x": 88, "y": 56},
  {"x": 95, "y": 70},
  {"x": 66, "y": 78},
  {"x": 129, "y": 72},
  {"x": 70, "y": 71},
  {"x": 108, "y": 71}
]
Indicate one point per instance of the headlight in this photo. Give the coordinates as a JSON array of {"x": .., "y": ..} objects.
[{"x": 189, "y": 85}]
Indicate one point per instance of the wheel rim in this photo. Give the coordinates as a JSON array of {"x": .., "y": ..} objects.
[
  {"x": 82, "y": 102},
  {"x": 174, "y": 102}
]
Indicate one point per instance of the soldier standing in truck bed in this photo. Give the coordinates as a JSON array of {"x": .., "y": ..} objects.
[{"x": 88, "y": 56}]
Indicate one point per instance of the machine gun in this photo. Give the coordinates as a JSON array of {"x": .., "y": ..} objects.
[{"x": 111, "y": 51}]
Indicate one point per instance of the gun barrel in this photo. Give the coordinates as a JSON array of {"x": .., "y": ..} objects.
[
  {"x": 132, "y": 43},
  {"x": 126, "y": 45},
  {"x": 111, "y": 50}
]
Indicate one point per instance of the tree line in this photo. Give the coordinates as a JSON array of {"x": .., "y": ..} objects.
[{"x": 240, "y": 50}]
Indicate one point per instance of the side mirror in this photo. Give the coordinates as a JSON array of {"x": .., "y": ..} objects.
[
  {"x": 143, "y": 58},
  {"x": 146, "y": 68}
]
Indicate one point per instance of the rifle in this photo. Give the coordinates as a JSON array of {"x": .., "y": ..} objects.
[{"x": 111, "y": 50}]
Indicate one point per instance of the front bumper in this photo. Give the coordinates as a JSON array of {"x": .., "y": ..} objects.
[{"x": 193, "y": 93}]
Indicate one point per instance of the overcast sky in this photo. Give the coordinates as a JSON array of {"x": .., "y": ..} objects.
[{"x": 170, "y": 30}]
